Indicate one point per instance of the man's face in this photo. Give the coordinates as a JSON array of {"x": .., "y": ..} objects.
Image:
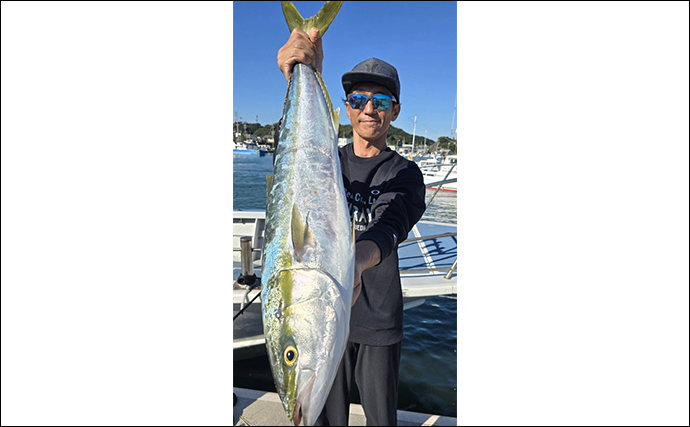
[{"x": 370, "y": 123}]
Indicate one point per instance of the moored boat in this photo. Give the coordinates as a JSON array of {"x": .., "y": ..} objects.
[
  {"x": 443, "y": 175},
  {"x": 247, "y": 149}
]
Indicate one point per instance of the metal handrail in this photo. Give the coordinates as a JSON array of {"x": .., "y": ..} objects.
[
  {"x": 436, "y": 236},
  {"x": 454, "y": 267}
]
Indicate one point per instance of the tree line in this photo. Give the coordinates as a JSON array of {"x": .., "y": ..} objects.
[{"x": 396, "y": 136}]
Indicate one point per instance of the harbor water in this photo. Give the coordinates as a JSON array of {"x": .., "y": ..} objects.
[{"x": 428, "y": 367}]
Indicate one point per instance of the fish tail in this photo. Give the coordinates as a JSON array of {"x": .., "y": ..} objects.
[{"x": 321, "y": 20}]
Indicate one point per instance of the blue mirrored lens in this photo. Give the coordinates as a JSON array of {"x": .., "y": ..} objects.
[
  {"x": 358, "y": 101},
  {"x": 381, "y": 102}
]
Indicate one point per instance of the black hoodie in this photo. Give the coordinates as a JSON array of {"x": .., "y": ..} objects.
[{"x": 385, "y": 195}]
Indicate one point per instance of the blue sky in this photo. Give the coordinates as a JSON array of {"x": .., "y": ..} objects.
[{"x": 418, "y": 38}]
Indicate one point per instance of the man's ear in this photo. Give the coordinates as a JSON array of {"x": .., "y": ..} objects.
[
  {"x": 348, "y": 110},
  {"x": 396, "y": 111}
]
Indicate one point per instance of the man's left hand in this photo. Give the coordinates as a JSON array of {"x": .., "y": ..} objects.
[{"x": 367, "y": 255}]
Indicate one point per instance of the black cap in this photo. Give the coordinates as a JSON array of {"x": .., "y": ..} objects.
[{"x": 373, "y": 70}]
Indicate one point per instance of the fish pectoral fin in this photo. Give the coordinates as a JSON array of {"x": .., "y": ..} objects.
[{"x": 302, "y": 235}]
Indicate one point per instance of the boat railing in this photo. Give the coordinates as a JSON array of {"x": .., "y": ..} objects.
[
  {"x": 435, "y": 236},
  {"x": 430, "y": 167},
  {"x": 440, "y": 184},
  {"x": 253, "y": 250},
  {"x": 448, "y": 272}
]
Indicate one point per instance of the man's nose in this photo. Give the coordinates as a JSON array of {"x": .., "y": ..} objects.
[{"x": 369, "y": 107}]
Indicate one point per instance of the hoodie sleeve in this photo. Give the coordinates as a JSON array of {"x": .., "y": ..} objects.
[{"x": 397, "y": 209}]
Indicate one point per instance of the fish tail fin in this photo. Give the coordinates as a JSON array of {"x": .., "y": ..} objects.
[{"x": 321, "y": 20}]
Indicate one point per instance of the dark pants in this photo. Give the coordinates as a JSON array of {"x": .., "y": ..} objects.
[{"x": 375, "y": 370}]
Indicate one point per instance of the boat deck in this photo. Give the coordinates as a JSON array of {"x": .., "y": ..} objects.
[{"x": 261, "y": 408}]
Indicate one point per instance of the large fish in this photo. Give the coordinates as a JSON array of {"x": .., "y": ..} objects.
[{"x": 308, "y": 264}]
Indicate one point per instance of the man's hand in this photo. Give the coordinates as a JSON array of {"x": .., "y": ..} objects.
[
  {"x": 358, "y": 284},
  {"x": 303, "y": 48},
  {"x": 367, "y": 255}
]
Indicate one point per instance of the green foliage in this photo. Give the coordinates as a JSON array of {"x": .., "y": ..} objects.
[
  {"x": 252, "y": 127},
  {"x": 256, "y": 129},
  {"x": 398, "y": 136},
  {"x": 450, "y": 144},
  {"x": 395, "y": 136},
  {"x": 345, "y": 131},
  {"x": 265, "y": 131}
]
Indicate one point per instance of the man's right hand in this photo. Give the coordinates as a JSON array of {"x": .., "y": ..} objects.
[{"x": 303, "y": 48}]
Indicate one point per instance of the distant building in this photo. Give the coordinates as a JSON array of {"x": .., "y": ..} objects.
[{"x": 344, "y": 141}]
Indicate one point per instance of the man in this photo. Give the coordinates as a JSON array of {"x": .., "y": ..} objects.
[{"x": 386, "y": 197}]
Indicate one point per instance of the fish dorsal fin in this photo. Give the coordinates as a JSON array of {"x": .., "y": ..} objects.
[
  {"x": 335, "y": 113},
  {"x": 336, "y": 119},
  {"x": 321, "y": 20},
  {"x": 302, "y": 235}
]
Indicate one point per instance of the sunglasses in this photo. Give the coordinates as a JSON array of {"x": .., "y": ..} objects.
[{"x": 379, "y": 101}]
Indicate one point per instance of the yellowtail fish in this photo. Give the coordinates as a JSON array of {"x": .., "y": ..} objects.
[{"x": 308, "y": 259}]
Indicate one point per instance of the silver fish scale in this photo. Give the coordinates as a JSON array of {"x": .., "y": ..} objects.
[{"x": 314, "y": 313}]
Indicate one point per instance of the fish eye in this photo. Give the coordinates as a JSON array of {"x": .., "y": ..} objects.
[{"x": 290, "y": 355}]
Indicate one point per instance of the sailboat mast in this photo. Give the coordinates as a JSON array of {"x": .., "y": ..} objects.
[
  {"x": 452, "y": 126},
  {"x": 414, "y": 129}
]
